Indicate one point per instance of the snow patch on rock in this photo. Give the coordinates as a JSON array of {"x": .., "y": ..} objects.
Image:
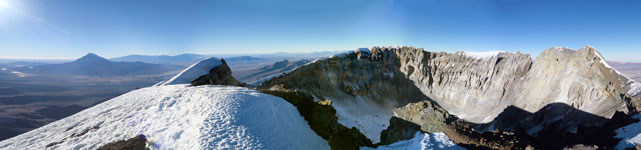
[
  {"x": 602, "y": 60},
  {"x": 423, "y": 141},
  {"x": 481, "y": 55},
  {"x": 630, "y": 135},
  {"x": 635, "y": 88},
  {"x": 194, "y": 71},
  {"x": 180, "y": 117},
  {"x": 360, "y": 112},
  {"x": 560, "y": 49}
]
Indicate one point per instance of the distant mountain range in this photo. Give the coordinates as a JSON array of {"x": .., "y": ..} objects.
[
  {"x": 267, "y": 72},
  {"x": 182, "y": 59},
  {"x": 188, "y": 59},
  {"x": 245, "y": 58},
  {"x": 94, "y": 65}
]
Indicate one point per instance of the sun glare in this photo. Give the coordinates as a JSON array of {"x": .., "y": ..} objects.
[{"x": 4, "y": 4}]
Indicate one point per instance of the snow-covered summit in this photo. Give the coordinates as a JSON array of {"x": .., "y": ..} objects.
[
  {"x": 180, "y": 117},
  {"x": 194, "y": 71}
]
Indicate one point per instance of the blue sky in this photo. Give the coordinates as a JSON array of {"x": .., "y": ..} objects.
[{"x": 111, "y": 28}]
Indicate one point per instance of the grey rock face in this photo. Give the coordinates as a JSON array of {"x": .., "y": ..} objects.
[
  {"x": 474, "y": 88},
  {"x": 468, "y": 87},
  {"x": 364, "y": 88},
  {"x": 428, "y": 115},
  {"x": 478, "y": 89}
]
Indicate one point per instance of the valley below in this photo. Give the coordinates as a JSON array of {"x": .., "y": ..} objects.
[{"x": 31, "y": 102}]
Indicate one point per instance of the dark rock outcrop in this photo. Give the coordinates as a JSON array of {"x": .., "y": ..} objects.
[
  {"x": 514, "y": 127},
  {"x": 399, "y": 129},
  {"x": 137, "y": 143},
  {"x": 322, "y": 119},
  {"x": 427, "y": 114},
  {"x": 219, "y": 75}
]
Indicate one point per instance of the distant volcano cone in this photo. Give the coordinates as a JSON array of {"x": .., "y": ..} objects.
[{"x": 91, "y": 58}]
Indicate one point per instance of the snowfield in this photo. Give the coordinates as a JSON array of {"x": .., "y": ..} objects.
[
  {"x": 194, "y": 71},
  {"x": 369, "y": 118},
  {"x": 180, "y": 117},
  {"x": 630, "y": 135},
  {"x": 422, "y": 141}
]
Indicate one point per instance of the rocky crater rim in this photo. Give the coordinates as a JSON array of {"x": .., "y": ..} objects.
[
  {"x": 498, "y": 76},
  {"x": 555, "y": 52}
]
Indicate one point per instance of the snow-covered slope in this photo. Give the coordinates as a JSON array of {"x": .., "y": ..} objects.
[
  {"x": 180, "y": 117},
  {"x": 194, "y": 71},
  {"x": 422, "y": 141}
]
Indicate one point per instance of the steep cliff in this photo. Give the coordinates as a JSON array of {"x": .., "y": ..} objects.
[
  {"x": 364, "y": 88},
  {"x": 478, "y": 89},
  {"x": 367, "y": 86}
]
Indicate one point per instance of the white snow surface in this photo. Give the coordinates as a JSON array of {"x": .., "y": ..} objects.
[
  {"x": 20, "y": 74},
  {"x": 369, "y": 118},
  {"x": 630, "y": 135},
  {"x": 180, "y": 117},
  {"x": 635, "y": 88},
  {"x": 194, "y": 71},
  {"x": 481, "y": 55},
  {"x": 422, "y": 141}
]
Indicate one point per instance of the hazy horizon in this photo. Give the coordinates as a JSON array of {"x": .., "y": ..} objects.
[
  {"x": 68, "y": 29},
  {"x": 257, "y": 55}
]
